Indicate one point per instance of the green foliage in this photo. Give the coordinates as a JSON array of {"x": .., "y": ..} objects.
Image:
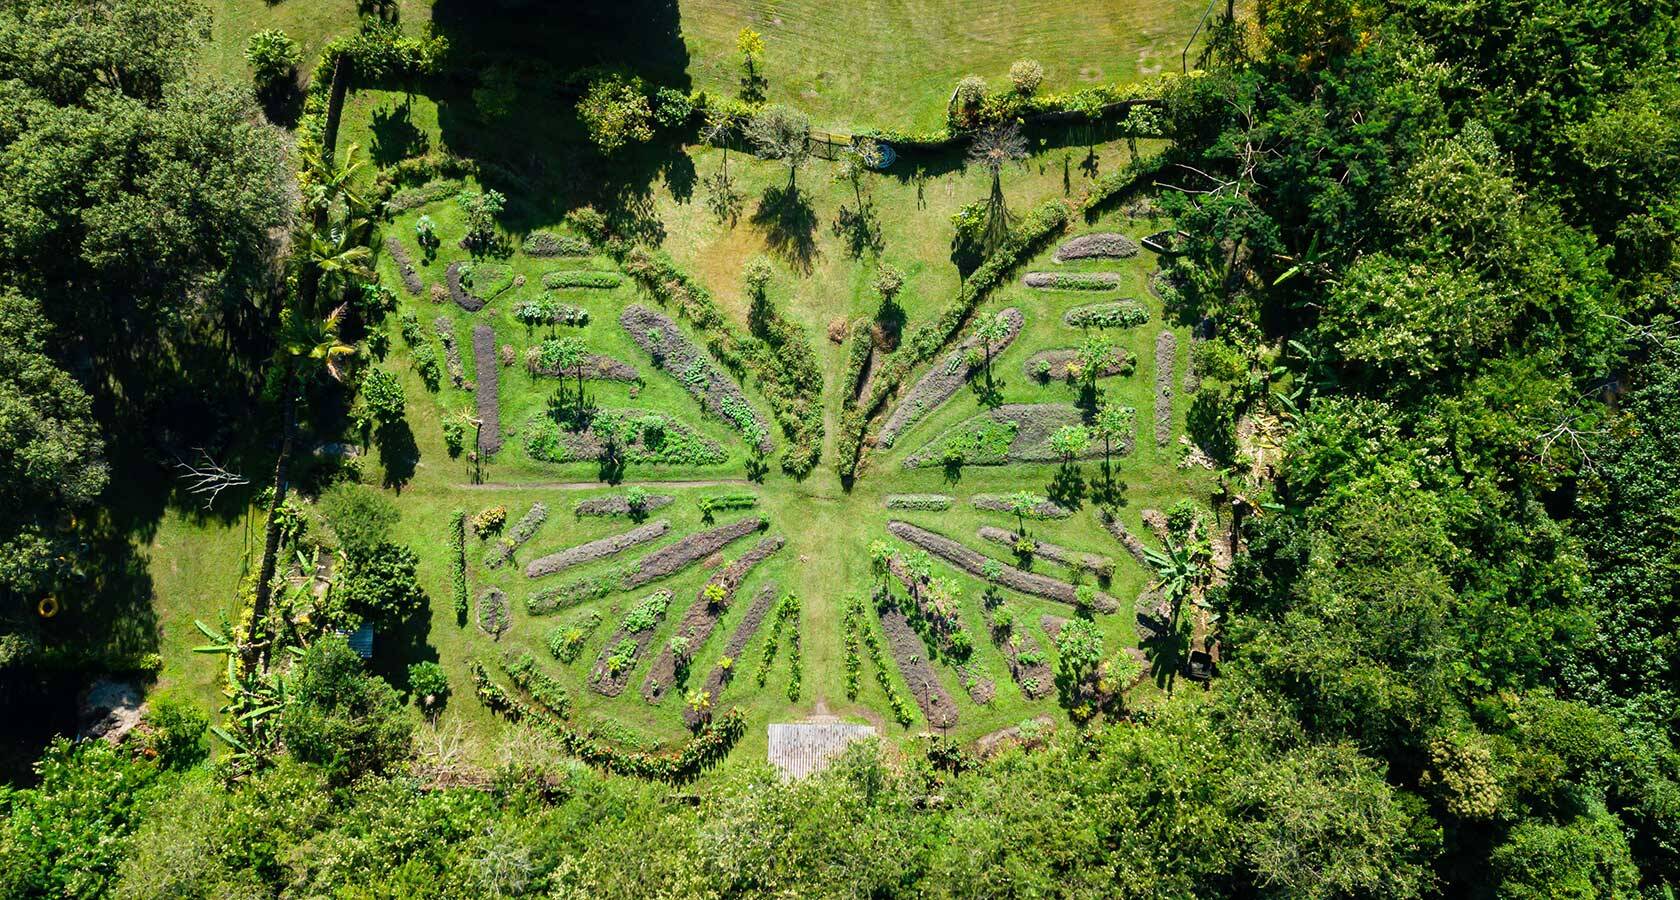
[
  {"x": 273, "y": 56},
  {"x": 360, "y": 516},
  {"x": 382, "y": 394},
  {"x": 480, "y": 209},
  {"x": 64, "y": 836},
  {"x": 565, "y": 642},
  {"x": 340, "y": 718},
  {"x": 615, "y": 111},
  {"x": 458, "y": 563},
  {"x": 379, "y": 585},
  {"x": 581, "y": 278},
  {"x": 174, "y": 731},
  {"x": 429, "y": 686}
]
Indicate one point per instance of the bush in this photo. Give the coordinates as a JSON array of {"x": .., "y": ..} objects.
[
  {"x": 380, "y": 585},
  {"x": 340, "y": 718},
  {"x": 382, "y": 395},
  {"x": 458, "y": 563},
  {"x": 589, "y": 222},
  {"x": 454, "y": 436},
  {"x": 581, "y": 278},
  {"x": 173, "y": 731},
  {"x": 429, "y": 686},
  {"x": 273, "y": 56},
  {"x": 426, "y": 365},
  {"x": 489, "y": 521},
  {"x": 1027, "y": 75},
  {"x": 615, "y": 111},
  {"x": 360, "y": 516}
]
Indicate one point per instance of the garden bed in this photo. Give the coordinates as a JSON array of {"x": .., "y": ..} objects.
[
  {"x": 1028, "y": 663},
  {"x": 602, "y": 548},
  {"x": 691, "y": 549},
  {"x": 1056, "y": 363},
  {"x": 493, "y": 618},
  {"x": 942, "y": 626},
  {"x": 944, "y": 379},
  {"x": 617, "y": 505},
  {"x": 675, "y": 354},
  {"x": 1043, "y": 509},
  {"x": 720, "y": 677},
  {"x": 912, "y": 657},
  {"x": 516, "y": 536},
  {"x": 1100, "y": 245},
  {"x": 1101, "y": 566},
  {"x": 1125, "y": 313},
  {"x": 457, "y": 292},
  {"x": 445, "y": 328},
  {"x": 547, "y": 244},
  {"x": 627, "y": 645},
  {"x": 703, "y": 615},
  {"x": 1166, "y": 353},
  {"x": 487, "y": 391},
  {"x": 1014, "y": 433},
  {"x": 405, "y": 265},
  {"x": 637, "y": 440},
  {"x": 1128, "y": 540},
  {"x": 974, "y": 563},
  {"x": 918, "y": 501},
  {"x": 596, "y": 368},
  {"x": 1072, "y": 281},
  {"x": 598, "y": 279}
]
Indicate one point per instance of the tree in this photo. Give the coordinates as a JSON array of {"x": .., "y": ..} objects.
[
  {"x": 340, "y": 718},
  {"x": 1095, "y": 356},
  {"x": 382, "y": 394},
  {"x": 750, "y": 45},
  {"x": 1079, "y": 647},
  {"x": 361, "y": 517},
  {"x": 1024, "y": 505},
  {"x": 1114, "y": 422},
  {"x": 429, "y": 686},
  {"x": 991, "y": 331},
  {"x": 1070, "y": 442},
  {"x": 568, "y": 354},
  {"x": 781, "y": 133},
  {"x": 379, "y": 585},
  {"x": 273, "y": 57},
  {"x": 616, "y": 112},
  {"x": 480, "y": 209},
  {"x": 992, "y": 149}
]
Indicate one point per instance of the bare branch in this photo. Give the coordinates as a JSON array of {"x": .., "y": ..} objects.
[{"x": 208, "y": 478}]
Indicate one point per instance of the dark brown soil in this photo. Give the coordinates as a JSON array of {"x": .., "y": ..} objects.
[
  {"x": 1166, "y": 353},
  {"x": 684, "y": 553},
  {"x": 1101, "y": 245},
  {"x": 912, "y": 656},
  {"x": 980, "y": 688},
  {"x": 943, "y": 380},
  {"x": 612, "y": 545},
  {"x": 674, "y": 353},
  {"x": 405, "y": 265},
  {"x": 458, "y": 292},
  {"x": 1128, "y": 540},
  {"x": 617, "y": 505},
  {"x": 719, "y": 679},
  {"x": 608, "y": 685},
  {"x": 1102, "y": 566},
  {"x": 451, "y": 350},
  {"x": 488, "y": 393},
  {"x": 703, "y": 616}
]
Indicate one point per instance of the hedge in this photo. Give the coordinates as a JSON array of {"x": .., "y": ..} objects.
[
  {"x": 458, "y": 563},
  {"x": 581, "y": 278}
]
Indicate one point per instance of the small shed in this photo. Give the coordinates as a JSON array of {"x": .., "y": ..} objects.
[{"x": 799, "y": 749}]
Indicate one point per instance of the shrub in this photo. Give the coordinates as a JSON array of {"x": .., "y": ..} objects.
[
  {"x": 548, "y": 311},
  {"x": 588, "y": 221},
  {"x": 530, "y": 677},
  {"x": 173, "y": 731},
  {"x": 454, "y": 436},
  {"x": 426, "y": 365},
  {"x": 360, "y": 516},
  {"x": 918, "y": 501},
  {"x": 273, "y": 56},
  {"x": 566, "y": 641},
  {"x": 429, "y": 686},
  {"x": 671, "y": 107},
  {"x": 581, "y": 278},
  {"x": 340, "y": 718},
  {"x": 489, "y": 521},
  {"x": 1026, "y": 75},
  {"x": 480, "y": 209},
  {"x": 615, "y": 111},
  {"x": 458, "y": 562},
  {"x": 381, "y": 585},
  {"x": 382, "y": 395}
]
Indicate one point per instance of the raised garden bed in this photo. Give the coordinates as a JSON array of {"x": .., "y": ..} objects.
[
  {"x": 1072, "y": 281},
  {"x": 547, "y": 244},
  {"x": 647, "y": 438},
  {"x": 1166, "y": 353},
  {"x": 493, "y": 618},
  {"x": 581, "y": 278},
  {"x": 1101, "y": 566},
  {"x": 944, "y": 379},
  {"x": 522, "y": 530},
  {"x": 445, "y": 328},
  {"x": 536, "y": 311},
  {"x": 974, "y": 563},
  {"x": 1044, "y": 509},
  {"x": 596, "y": 368},
  {"x": 684, "y": 553},
  {"x": 1028, "y": 663},
  {"x": 1100, "y": 245},
  {"x": 1009, "y": 434},
  {"x": 627, "y": 645},
  {"x": 565, "y": 642},
  {"x": 720, "y": 677},
  {"x": 487, "y": 391},
  {"x": 405, "y": 265},
  {"x": 1052, "y": 365},
  {"x": 458, "y": 292},
  {"x": 675, "y": 354},
  {"x": 415, "y": 197},
  {"x": 918, "y": 501},
  {"x": 612, "y": 545},
  {"x": 1128, "y": 540},
  {"x": 1116, "y": 314},
  {"x": 703, "y": 615},
  {"x": 942, "y": 627},
  {"x": 618, "y": 505},
  {"x": 912, "y": 657}
]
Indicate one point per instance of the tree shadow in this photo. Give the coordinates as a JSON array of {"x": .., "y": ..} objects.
[
  {"x": 395, "y": 650},
  {"x": 1107, "y": 490},
  {"x": 789, "y": 223},
  {"x": 398, "y": 454},
  {"x": 1067, "y": 488},
  {"x": 395, "y": 136},
  {"x": 680, "y": 176},
  {"x": 860, "y": 228}
]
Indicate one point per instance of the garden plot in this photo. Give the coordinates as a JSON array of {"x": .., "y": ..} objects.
[
  {"x": 1123, "y": 313},
  {"x": 405, "y": 265},
  {"x": 702, "y": 616},
  {"x": 659, "y": 564},
  {"x": 937, "y": 613},
  {"x": 1166, "y": 353},
  {"x": 493, "y": 618},
  {"x": 1072, "y": 281},
  {"x": 612, "y": 545},
  {"x": 1043, "y": 509},
  {"x": 947, "y": 377},
  {"x": 675, "y": 354},
  {"x": 487, "y": 391},
  {"x": 931, "y": 502},
  {"x": 1028, "y": 664},
  {"x": 445, "y": 328},
  {"x": 546, "y": 244},
  {"x": 649, "y": 438},
  {"x": 458, "y": 292},
  {"x": 1099, "y": 245},
  {"x": 522, "y": 531},
  {"x": 596, "y": 368},
  {"x": 974, "y": 563},
  {"x": 721, "y": 675},
  {"x": 619, "y": 505},
  {"x": 1013, "y": 433},
  {"x": 1056, "y": 365},
  {"x": 627, "y": 644},
  {"x": 1079, "y": 561},
  {"x": 912, "y": 657},
  {"x": 1128, "y": 540}
]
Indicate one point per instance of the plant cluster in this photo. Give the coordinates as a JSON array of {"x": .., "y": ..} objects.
[
  {"x": 525, "y": 672},
  {"x": 599, "y": 279},
  {"x": 565, "y": 642}
]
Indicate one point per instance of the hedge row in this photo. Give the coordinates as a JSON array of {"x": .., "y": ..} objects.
[
  {"x": 706, "y": 749},
  {"x": 458, "y": 562},
  {"x": 581, "y": 278}
]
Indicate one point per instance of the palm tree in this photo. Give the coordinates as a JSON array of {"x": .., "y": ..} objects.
[
  {"x": 302, "y": 338},
  {"x": 322, "y": 182},
  {"x": 991, "y": 331}
]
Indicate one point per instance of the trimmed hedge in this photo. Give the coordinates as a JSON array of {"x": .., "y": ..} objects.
[
  {"x": 918, "y": 501},
  {"x": 581, "y": 278},
  {"x": 458, "y": 563}
]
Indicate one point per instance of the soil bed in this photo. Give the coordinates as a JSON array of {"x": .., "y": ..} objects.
[
  {"x": 1101, "y": 245},
  {"x": 1102, "y": 566},
  {"x": 617, "y": 505},
  {"x": 943, "y": 381},
  {"x": 703, "y": 616},
  {"x": 1044, "y": 509},
  {"x": 719, "y": 677},
  {"x": 488, "y": 394},
  {"x": 405, "y": 265},
  {"x": 607, "y": 683},
  {"x": 684, "y": 553},
  {"x": 912, "y": 657},
  {"x": 676, "y": 355},
  {"x": 611, "y": 545},
  {"x": 973, "y": 562},
  {"x": 1166, "y": 352},
  {"x": 1119, "y": 363},
  {"x": 458, "y": 292}
]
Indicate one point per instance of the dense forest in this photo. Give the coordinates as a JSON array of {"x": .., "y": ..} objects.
[{"x": 1434, "y": 243}]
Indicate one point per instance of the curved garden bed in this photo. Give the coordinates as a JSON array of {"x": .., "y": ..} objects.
[
  {"x": 944, "y": 380},
  {"x": 702, "y": 616},
  {"x": 720, "y": 677},
  {"x": 1013, "y": 433},
  {"x": 458, "y": 292},
  {"x": 1101, "y": 566},
  {"x": 676, "y": 355},
  {"x": 612, "y": 545},
  {"x": 405, "y": 265},
  {"x": 1098, "y": 245},
  {"x": 974, "y": 563}
]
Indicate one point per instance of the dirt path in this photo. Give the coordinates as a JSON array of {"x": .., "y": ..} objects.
[{"x": 593, "y": 485}]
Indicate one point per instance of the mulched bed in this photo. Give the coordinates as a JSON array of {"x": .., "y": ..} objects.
[
  {"x": 719, "y": 678},
  {"x": 1033, "y": 425},
  {"x": 980, "y": 688},
  {"x": 1037, "y": 679},
  {"x": 458, "y": 292},
  {"x": 493, "y": 616},
  {"x": 596, "y": 368},
  {"x": 918, "y": 501},
  {"x": 681, "y": 445},
  {"x": 944, "y": 379},
  {"x": 703, "y": 616},
  {"x": 607, "y": 684},
  {"x": 1102, "y": 566},
  {"x": 912, "y": 656},
  {"x": 1045, "y": 509},
  {"x": 516, "y": 536},
  {"x": 487, "y": 390},
  {"x": 676, "y": 355},
  {"x": 1128, "y": 540},
  {"x": 1101, "y": 245},
  {"x": 1115, "y": 314},
  {"x": 1072, "y": 281},
  {"x": 544, "y": 244},
  {"x": 612, "y": 545},
  {"x": 973, "y": 562},
  {"x": 1166, "y": 352},
  {"x": 1052, "y": 625},
  {"x": 670, "y": 560},
  {"x": 445, "y": 327},
  {"x": 405, "y": 265},
  {"x": 1119, "y": 363},
  {"x": 617, "y": 505}
]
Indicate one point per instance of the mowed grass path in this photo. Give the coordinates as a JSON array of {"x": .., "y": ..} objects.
[{"x": 893, "y": 63}]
